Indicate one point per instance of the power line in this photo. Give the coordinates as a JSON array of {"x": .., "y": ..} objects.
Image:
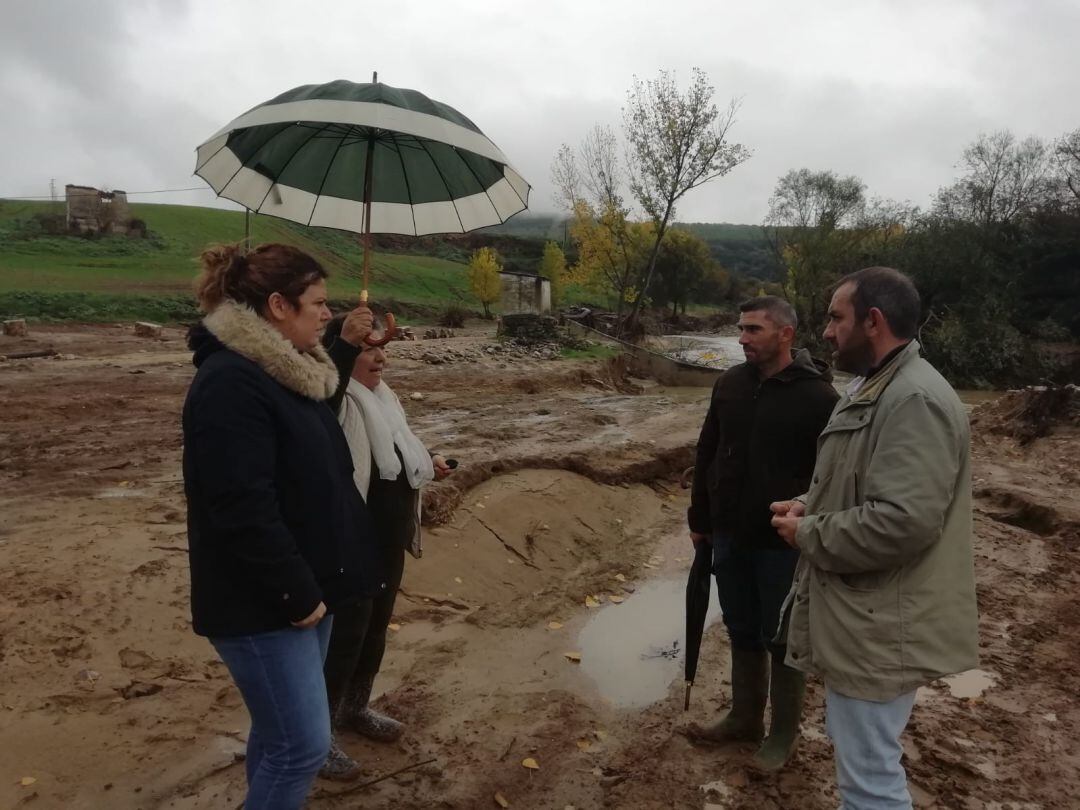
[{"x": 128, "y": 193}]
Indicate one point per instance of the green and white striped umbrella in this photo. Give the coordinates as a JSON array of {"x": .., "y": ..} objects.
[{"x": 309, "y": 154}]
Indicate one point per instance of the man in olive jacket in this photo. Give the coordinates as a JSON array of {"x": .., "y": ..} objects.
[
  {"x": 757, "y": 443},
  {"x": 884, "y": 597}
]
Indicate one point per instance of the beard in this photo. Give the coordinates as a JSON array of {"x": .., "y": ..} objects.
[{"x": 856, "y": 356}]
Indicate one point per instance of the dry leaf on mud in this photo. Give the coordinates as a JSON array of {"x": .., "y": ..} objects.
[
  {"x": 572, "y": 656},
  {"x": 500, "y": 800},
  {"x": 554, "y": 625},
  {"x": 600, "y": 734},
  {"x": 620, "y": 578},
  {"x": 647, "y": 565},
  {"x": 393, "y": 626},
  {"x": 26, "y": 781},
  {"x": 615, "y": 599},
  {"x": 592, "y": 601},
  {"x": 459, "y": 580},
  {"x": 530, "y": 763},
  {"x": 584, "y": 745}
]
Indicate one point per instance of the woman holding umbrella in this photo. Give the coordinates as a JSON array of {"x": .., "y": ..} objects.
[
  {"x": 390, "y": 465},
  {"x": 279, "y": 537}
]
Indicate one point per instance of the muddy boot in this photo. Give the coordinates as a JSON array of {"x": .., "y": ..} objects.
[
  {"x": 339, "y": 766},
  {"x": 367, "y": 722},
  {"x": 745, "y": 720},
  {"x": 786, "y": 691}
]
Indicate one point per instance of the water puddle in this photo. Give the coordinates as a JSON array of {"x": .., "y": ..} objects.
[
  {"x": 634, "y": 651},
  {"x": 970, "y": 684},
  {"x": 118, "y": 492},
  {"x": 717, "y": 351}
]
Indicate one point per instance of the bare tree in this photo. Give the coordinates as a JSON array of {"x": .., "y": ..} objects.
[
  {"x": 1003, "y": 178},
  {"x": 1067, "y": 158},
  {"x": 676, "y": 142}
]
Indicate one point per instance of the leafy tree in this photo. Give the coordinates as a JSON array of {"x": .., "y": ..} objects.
[
  {"x": 811, "y": 225},
  {"x": 681, "y": 267},
  {"x": 553, "y": 268},
  {"x": 610, "y": 250},
  {"x": 484, "y": 282}
]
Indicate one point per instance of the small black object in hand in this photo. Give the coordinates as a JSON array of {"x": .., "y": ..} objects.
[{"x": 452, "y": 463}]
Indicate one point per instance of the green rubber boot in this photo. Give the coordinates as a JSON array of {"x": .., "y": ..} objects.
[
  {"x": 745, "y": 720},
  {"x": 787, "y": 690}
]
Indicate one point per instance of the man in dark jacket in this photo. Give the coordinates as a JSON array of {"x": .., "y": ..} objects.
[{"x": 759, "y": 440}]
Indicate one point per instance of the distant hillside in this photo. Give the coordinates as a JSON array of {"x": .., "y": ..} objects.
[{"x": 739, "y": 248}]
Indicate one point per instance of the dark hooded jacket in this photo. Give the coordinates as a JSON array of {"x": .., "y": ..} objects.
[
  {"x": 275, "y": 523},
  {"x": 758, "y": 445}
]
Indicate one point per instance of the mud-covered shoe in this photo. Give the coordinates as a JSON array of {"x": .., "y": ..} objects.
[
  {"x": 745, "y": 721},
  {"x": 339, "y": 766},
  {"x": 376, "y": 726}
]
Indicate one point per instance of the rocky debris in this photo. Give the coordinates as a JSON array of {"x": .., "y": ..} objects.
[
  {"x": 529, "y": 328},
  {"x": 509, "y": 350},
  {"x": 436, "y": 334},
  {"x": 86, "y": 678},
  {"x": 416, "y": 396},
  {"x": 147, "y": 329},
  {"x": 138, "y": 689},
  {"x": 15, "y": 328},
  {"x": 1030, "y": 413},
  {"x": 404, "y": 333}
]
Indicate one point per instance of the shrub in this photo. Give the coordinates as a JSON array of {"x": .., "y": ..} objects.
[{"x": 453, "y": 317}]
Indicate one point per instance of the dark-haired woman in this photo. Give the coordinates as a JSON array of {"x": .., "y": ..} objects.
[{"x": 278, "y": 534}]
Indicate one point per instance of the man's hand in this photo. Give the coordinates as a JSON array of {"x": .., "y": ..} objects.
[
  {"x": 787, "y": 528},
  {"x": 442, "y": 469},
  {"x": 313, "y": 619},
  {"x": 788, "y": 509},
  {"x": 358, "y": 325},
  {"x": 697, "y": 538}
]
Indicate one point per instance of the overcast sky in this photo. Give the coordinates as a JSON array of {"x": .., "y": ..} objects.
[{"x": 119, "y": 94}]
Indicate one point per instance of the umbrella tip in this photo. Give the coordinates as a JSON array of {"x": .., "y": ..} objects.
[{"x": 374, "y": 77}]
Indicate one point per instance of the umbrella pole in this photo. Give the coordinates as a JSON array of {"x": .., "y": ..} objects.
[
  {"x": 686, "y": 703},
  {"x": 367, "y": 216}
]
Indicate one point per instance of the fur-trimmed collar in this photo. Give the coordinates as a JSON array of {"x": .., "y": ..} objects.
[{"x": 240, "y": 328}]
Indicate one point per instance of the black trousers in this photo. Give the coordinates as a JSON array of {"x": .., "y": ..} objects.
[{"x": 358, "y": 637}]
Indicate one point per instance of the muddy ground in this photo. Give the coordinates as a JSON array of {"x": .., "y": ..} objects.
[{"x": 567, "y": 490}]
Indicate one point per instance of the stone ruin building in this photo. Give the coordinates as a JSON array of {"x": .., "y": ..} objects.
[
  {"x": 93, "y": 210},
  {"x": 522, "y": 292}
]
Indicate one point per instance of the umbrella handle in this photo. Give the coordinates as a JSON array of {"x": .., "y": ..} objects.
[
  {"x": 389, "y": 332},
  {"x": 686, "y": 703}
]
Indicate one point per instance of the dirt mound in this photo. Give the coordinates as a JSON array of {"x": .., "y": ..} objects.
[{"x": 1030, "y": 413}]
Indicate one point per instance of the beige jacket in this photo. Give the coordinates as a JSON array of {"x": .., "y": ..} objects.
[{"x": 884, "y": 595}]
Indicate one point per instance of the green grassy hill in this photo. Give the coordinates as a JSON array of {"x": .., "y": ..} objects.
[{"x": 63, "y": 276}]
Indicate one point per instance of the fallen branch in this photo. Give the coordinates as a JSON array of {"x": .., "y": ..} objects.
[
  {"x": 326, "y": 794},
  {"x": 29, "y": 355},
  {"x": 507, "y": 546}
]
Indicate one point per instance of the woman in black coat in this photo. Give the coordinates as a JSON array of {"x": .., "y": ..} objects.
[{"x": 278, "y": 534}]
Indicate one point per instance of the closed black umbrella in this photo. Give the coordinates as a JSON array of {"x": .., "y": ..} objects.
[{"x": 698, "y": 587}]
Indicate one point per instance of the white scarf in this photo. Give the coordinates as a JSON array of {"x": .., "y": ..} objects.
[{"x": 374, "y": 424}]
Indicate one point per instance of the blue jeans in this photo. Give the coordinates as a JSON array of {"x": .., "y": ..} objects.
[
  {"x": 751, "y": 584},
  {"x": 866, "y": 744},
  {"x": 279, "y": 674}
]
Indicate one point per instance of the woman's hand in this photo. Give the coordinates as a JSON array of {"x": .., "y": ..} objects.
[
  {"x": 313, "y": 619},
  {"x": 442, "y": 469},
  {"x": 358, "y": 325}
]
